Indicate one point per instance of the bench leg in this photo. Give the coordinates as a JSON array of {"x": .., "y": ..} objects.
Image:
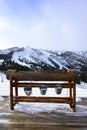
[
  {"x": 11, "y": 96},
  {"x": 74, "y": 97}
]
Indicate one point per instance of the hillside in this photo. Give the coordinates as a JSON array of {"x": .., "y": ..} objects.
[{"x": 32, "y": 59}]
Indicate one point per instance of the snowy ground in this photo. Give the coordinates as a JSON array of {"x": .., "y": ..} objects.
[{"x": 81, "y": 92}]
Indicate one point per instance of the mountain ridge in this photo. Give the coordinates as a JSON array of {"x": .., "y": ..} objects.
[{"x": 32, "y": 59}]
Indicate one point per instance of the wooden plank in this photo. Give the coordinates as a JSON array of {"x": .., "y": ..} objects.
[
  {"x": 43, "y": 99},
  {"x": 52, "y": 85},
  {"x": 44, "y": 76},
  {"x": 9, "y": 73}
]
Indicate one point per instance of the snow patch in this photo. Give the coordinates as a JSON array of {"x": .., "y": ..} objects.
[
  {"x": 1, "y": 98},
  {"x": 34, "y": 108},
  {"x": 2, "y": 121}
]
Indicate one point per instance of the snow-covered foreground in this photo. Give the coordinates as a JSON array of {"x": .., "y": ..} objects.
[{"x": 81, "y": 92}]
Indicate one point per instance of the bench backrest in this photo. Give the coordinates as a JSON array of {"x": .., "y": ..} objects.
[{"x": 71, "y": 75}]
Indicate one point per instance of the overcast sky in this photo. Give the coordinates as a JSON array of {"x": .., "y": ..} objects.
[{"x": 45, "y": 24}]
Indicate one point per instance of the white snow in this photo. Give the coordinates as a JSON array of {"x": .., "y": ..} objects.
[
  {"x": 1, "y": 61},
  {"x": 4, "y": 121},
  {"x": 81, "y": 92},
  {"x": 35, "y": 56},
  {"x": 6, "y": 51}
]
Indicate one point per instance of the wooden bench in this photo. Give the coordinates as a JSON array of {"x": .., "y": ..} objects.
[{"x": 67, "y": 79}]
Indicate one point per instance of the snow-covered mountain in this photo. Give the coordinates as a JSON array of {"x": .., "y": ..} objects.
[{"x": 27, "y": 58}]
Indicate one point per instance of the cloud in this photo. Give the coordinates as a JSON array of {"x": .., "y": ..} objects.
[
  {"x": 36, "y": 34},
  {"x": 47, "y": 24},
  {"x": 69, "y": 32},
  {"x": 4, "y": 24},
  {"x": 8, "y": 31}
]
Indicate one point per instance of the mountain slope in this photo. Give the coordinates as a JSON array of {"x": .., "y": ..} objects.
[{"x": 38, "y": 60}]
